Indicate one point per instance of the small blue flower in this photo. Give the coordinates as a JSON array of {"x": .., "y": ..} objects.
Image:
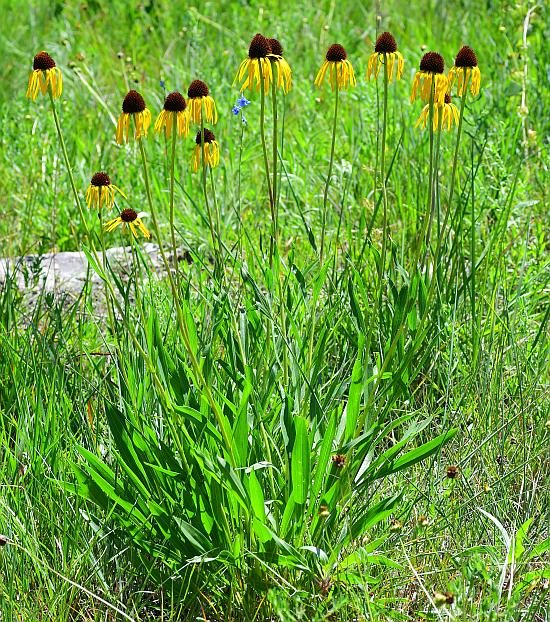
[
  {"x": 242, "y": 101},
  {"x": 235, "y": 110},
  {"x": 162, "y": 85}
]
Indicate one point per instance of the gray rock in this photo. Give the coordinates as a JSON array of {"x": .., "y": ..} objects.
[{"x": 68, "y": 272}]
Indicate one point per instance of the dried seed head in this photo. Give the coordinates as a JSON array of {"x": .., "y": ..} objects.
[
  {"x": 133, "y": 102},
  {"x": 197, "y": 88},
  {"x": 208, "y": 137},
  {"x": 466, "y": 57},
  {"x": 432, "y": 62},
  {"x": 386, "y": 43},
  {"x": 100, "y": 179},
  {"x": 449, "y": 598},
  {"x": 324, "y": 584},
  {"x": 128, "y": 215},
  {"x": 452, "y": 472},
  {"x": 448, "y": 98},
  {"x": 3, "y": 540},
  {"x": 259, "y": 47},
  {"x": 43, "y": 61},
  {"x": 174, "y": 102},
  {"x": 396, "y": 525},
  {"x": 276, "y": 47},
  {"x": 339, "y": 461},
  {"x": 336, "y": 53}
]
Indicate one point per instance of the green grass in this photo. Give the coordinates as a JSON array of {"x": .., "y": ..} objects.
[{"x": 168, "y": 417}]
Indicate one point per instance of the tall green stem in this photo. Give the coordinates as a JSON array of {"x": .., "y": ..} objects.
[
  {"x": 266, "y": 161},
  {"x": 67, "y": 163},
  {"x": 453, "y": 177},
  {"x": 172, "y": 176},
  {"x": 331, "y": 162},
  {"x": 383, "y": 176},
  {"x": 275, "y": 156},
  {"x": 435, "y": 190},
  {"x": 215, "y": 243}
]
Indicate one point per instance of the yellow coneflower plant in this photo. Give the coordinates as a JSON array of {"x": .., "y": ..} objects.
[
  {"x": 134, "y": 107},
  {"x": 340, "y": 69},
  {"x": 201, "y": 105},
  {"x": 45, "y": 74},
  {"x": 131, "y": 219},
  {"x": 101, "y": 192},
  {"x": 174, "y": 117},
  {"x": 432, "y": 66},
  {"x": 211, "y": 150},
  {"x": 341, "y": 75},
  {"x": 173, "y": 120},
  {"x": 465, "y": 69},
  {"x": 385, "y": 54},
  {"x": 256, "y": 68},
  {"x": 443, "y": 115},
  {"x": 280, "y": 64}
]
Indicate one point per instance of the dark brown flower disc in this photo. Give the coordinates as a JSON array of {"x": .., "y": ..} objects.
[
  {"x": 128, "y": 215},
  {"x": 259, "y": 47},
  {"x": 100, "y": 179},
  {"x": 385, "y": 43},
  {"x": 43, "y": 61},
  {"x": 175, "y": 102},
  {"x": 466, "y": 57},
  {"x": 452, "y": 472},
  {"x": 133, "y": 102},
  {"x": 276, "y": 47},
  {"x": 208, "y": 137},
  {"x": 448, "y": 98},
  {"x": 336, "y": 53},
  {"x": 432, "y": 62},
  {"x": 197, "y": 88}
]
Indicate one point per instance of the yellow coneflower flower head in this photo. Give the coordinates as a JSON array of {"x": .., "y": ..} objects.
[
  {"x": 284, "y": 72},
  {"x": 431, "y": 73},
  {"x": 445, "y": 113},
  {"x": 385, "y": 52},
  {"x": 101, "y": 191},
  {"x": 465, "y": 69},
  {"x": 131, "y": 219},
  {"x": 200, "y": 103},
  {"x": 257, "y": 66},
  {"x": 133, "y": 106},
  {"x": 340, "y": 69},
  {"x": 44, "y": 74},
  {"x": 174, "y": 117},
  {"x": 211, "y": 150}
]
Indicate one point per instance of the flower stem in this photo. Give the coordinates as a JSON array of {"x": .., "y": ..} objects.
[
  {"x": 327, "y": 184},
  {"x": 427, "y": 219},
  {"x": 453, "y": 175},
  {"x": 266, "y": 161},
  {"x": 435, "y": 190},
  {"x": 383, "y": 176},
  {"x": 172, "y": 176},
  {"x": 67, "y": 163},
  {"x": 215, "y": 242},
  {"x": 275, "y": 156}
]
